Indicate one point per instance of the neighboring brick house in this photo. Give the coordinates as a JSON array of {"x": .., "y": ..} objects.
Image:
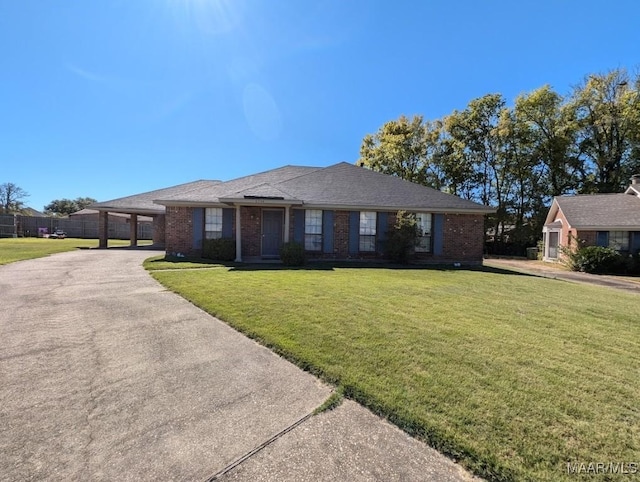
[
  {"x": 594, "y": 220},
  {"x": 336, "y": 212}
]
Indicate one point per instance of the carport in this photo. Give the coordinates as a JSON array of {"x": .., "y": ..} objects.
[{"x": 142, "y": 205}]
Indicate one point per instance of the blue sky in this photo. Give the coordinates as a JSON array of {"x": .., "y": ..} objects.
[{"x": 115, "y": 97}]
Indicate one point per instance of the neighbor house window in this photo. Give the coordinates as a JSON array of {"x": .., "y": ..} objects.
[
  {"x": 619, "y": 240},
  {"x": 367, "y": 231},
  {"x": 423, "y": 223},
  {"x": 213, "y": 223},
  {"x": 313, "y": 230}
]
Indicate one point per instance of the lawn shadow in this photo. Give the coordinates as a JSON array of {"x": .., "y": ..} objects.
[
  {"x": 333, "y": 265},
  {"x": 327, "y": 265}
]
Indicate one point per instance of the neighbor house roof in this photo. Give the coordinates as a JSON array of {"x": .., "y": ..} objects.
[
  {"x": 598, "y": 211},
  {"x": 341, "y": 186},
  {"x": 143, "y": 203}
]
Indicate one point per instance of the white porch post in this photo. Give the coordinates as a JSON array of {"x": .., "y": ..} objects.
[
  {"x": 238, "y": 236},
  {"x": 287, "y": 210}
]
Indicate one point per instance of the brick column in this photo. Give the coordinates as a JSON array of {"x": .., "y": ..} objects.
[
  {"x": 103, "y": 229},
  {"x": 133, "y": 230},
  {"x": 159, "y": 230}
]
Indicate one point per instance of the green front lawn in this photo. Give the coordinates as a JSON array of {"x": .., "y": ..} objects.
[
  {"x": 18, "y": 249},
  {"x": 513, "y": 375}
]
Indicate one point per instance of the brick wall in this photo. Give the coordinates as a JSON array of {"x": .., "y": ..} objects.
[
  {"x": 341, "y": 234},
  {"x": 179, "y": 230},
  {"x": 587, "y": 238},
  {"x": 463, "y": 235},
  {"x": 463, "y": 238}
]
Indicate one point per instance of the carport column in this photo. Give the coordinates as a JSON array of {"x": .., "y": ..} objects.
[
  {"x": 238, "y": 236},
  {"x": 287, "y": 213},
  {"x": 133, "y": 229},
  {"x": 159, "y": 230},
  {"x": 103, "y": 229}
]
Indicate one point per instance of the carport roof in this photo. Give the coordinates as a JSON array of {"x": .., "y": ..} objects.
[{"x": 143, "y": 203}]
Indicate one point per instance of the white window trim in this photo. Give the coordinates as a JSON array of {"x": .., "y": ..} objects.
[
  {"x": 429, "y": 235},
  {"x": 313, "y": 232},
  {"x": 217, "y": 215},
  {"x": 368, "y": 232}
]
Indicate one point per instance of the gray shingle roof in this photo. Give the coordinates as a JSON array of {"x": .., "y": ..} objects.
[
  {"x": 143, "y": 203},
  {"x": 342, "y": 185},
  {"x": 601, "y": 211},
  {"x": 234, "y": 187}
]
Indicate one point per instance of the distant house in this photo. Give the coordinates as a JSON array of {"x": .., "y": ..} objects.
[
  {"x": 336, "y": 212},
  {"x": 31, "y": 212},
  {"x": 594, "y": 220}
]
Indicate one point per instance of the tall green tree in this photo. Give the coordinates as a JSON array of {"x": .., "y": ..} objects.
[
  {"x": 64, "y": 207},
  {"x": 11, "y": 198},
  {"x": 553, "y": 138},
  {"x": 398, "y": 148},
  {"x": 478, "y": 141},
  {"x": 604, "y": 110}
]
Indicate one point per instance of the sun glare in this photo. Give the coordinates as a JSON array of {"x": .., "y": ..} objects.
[{"x": 209, "y": 16}]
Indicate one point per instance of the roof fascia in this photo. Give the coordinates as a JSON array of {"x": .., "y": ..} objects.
[
  {"x": 607, "y": 228},
  {"x": 426, "y": 209},
  {"x": 121, "y": 210}
]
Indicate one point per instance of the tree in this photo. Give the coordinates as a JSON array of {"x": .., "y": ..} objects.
[
  {"x": 604, "y": 110},
  {"x": 83, "y": 202},
  {"x": 64, "y": 207},
  {"x": 553, "y": 140},
  {"x": 398, "y": 148},
  {"x": 11, "y": 198},
  {"x": 478, "y": 143}
]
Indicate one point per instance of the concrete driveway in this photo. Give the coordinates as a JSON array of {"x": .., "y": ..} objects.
[{"x": 104, "y": 375}]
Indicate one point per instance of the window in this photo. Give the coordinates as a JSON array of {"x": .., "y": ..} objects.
[
  {"x": 423, "y": 222},
  {"x": 213, "y": 223},
  {"x": 313, "y": 230},
  {"x": 619, "y": 240},
  {"x": 367, "y": 231}
]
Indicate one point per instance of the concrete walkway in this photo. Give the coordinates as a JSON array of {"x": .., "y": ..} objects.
[
  {"x": 104, "y": 375},
  {"x": 549, "y": 270}
]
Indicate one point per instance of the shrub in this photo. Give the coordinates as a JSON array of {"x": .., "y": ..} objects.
[
  {"x": 402, "y": 239},
  {"x": 292, "y": 254},
  {"x": 596, "y": 259},
  {"x": 219, "y": 249}
]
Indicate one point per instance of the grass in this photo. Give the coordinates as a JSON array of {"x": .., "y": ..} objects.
[
  {"x": 514, "y": 376},
  {"x": 19, "y": 249}
]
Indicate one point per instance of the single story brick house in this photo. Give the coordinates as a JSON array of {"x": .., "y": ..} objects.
[
  {"x": 594, "y": 220},
  {"x": 337, "y": 212}
]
